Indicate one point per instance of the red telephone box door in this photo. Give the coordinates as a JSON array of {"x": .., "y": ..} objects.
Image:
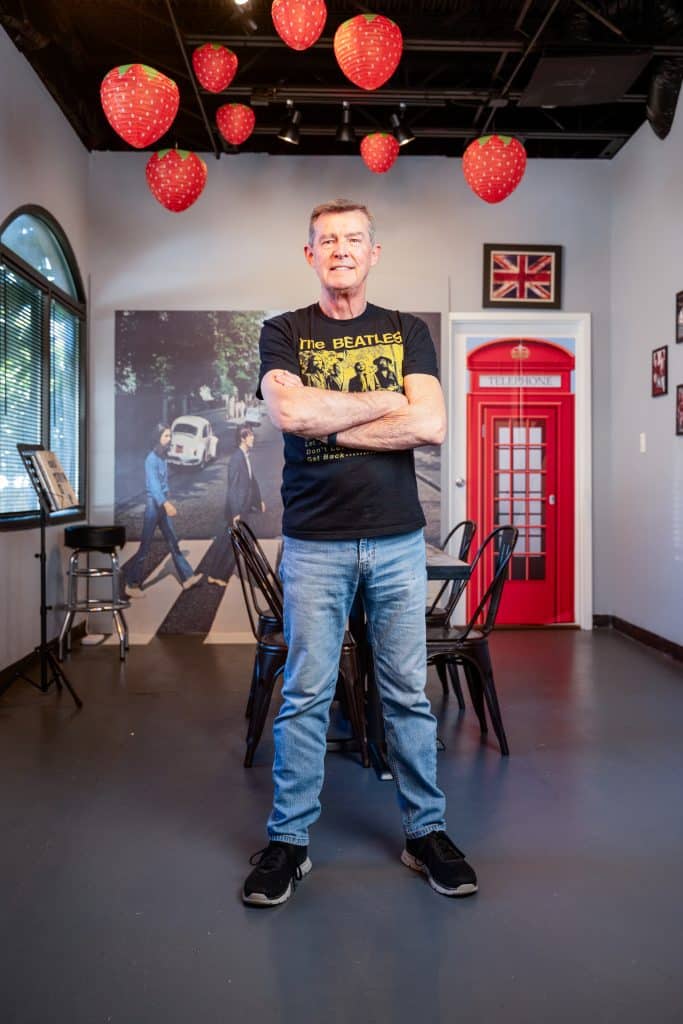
[{"x": 521, "y": 471}]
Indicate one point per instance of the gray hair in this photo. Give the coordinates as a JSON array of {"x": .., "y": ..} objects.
[{"x": 340, "y": 206}]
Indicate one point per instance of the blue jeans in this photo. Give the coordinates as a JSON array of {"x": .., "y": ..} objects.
[
  {"x": 320, "y": 580},
  {"x": 155, "y": 515}
]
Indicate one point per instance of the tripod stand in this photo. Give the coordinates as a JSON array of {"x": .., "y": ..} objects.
[{"x": 50, "y": 669}]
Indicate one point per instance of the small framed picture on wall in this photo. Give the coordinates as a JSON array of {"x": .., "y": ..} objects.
[
  {"x": 679, "y": 317},
  {"x": 660, "y": 372},
  {"x": 522, "y": 276},
  {"x": 679, "y": 409}
]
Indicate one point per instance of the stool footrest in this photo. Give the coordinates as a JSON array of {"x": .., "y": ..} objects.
[{"x": 94, "y": 605}]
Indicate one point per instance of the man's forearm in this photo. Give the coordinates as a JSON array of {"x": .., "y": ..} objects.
[
  {"x": 314, "y": 412},
  {"x": 408, "y": 428}
]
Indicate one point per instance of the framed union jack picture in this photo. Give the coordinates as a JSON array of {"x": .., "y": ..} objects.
[{"x": 522, "y": 276}]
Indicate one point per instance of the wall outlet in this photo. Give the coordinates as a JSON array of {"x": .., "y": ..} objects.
[{"x": 643, "y": 444}]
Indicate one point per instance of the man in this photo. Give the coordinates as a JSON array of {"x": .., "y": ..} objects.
[
  {"x": 358, "y": 382},
  {"x": 384, "y": 375},
  {"x": 352, "y": 521},
  {"x": 244, "y": 495},
  {"x": 159, "y": 511}
]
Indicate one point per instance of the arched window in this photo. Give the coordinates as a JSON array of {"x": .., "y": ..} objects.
[{"x": 42, "y": 357}]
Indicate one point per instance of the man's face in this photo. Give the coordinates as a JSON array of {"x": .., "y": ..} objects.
[
  {"x": 342, "y": 254},
  {"x": 249, "y": 440}
]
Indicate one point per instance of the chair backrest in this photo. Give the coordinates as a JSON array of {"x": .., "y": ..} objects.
[
  {"x": 469, "y": 528},
  {"x": 503, "y": 539},
  {"x": 260, "y": 597},
  {"x": 244, "y": 530}
]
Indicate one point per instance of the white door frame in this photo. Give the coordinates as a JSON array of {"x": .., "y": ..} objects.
[{"x": 454, "y": 466}]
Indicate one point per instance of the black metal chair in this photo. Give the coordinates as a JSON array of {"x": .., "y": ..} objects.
[
  {"x": 271, "y": 652},
  {"x": 440, "y": 614},
  {"x": 267, "y": 621},
  {"x": 468, "y": 645}
]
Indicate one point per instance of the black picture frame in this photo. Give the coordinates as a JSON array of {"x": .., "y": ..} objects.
[
  {"x": 678, "y": 332},
  {"x": 519, "y": 291},
  {"x": 679, "y": 410},
  {"x": 659, "y": 371}
]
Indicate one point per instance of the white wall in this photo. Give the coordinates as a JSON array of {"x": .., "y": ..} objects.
[
  {"x": 646, "y": 568},
  {"x": 42, "y": 162},
  {"x": 240, "y": 247}
]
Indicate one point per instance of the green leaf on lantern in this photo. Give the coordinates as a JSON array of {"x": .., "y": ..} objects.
[
  {"x": 150, "y": 72},
  {"x": 215, "y": 46},
  {"x": 162, "y": 153},
  {"x": 123, "y": 68}
]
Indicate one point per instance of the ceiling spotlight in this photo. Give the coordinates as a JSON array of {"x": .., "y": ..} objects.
[
  {"x": 401, "y": 133},
  {"x": 289, "y": 130},
  {"x": 345, "y": 132},
  {"x": 244, "y": 12}
]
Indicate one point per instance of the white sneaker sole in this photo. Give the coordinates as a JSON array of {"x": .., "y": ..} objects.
[
  {"x": 259, "y": 899},
  {"x": 466, "y": 889}
]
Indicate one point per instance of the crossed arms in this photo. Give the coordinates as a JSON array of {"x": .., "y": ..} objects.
[{"x": 376, "y": 420}]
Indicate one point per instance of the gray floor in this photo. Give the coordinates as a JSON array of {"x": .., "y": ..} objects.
[{"x": 127, "y": 828}]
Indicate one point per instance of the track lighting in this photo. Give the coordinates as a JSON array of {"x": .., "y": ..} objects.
[
  {"x": 345, "y": 132},
  {"x": 289, "y": 130},
  {"x": 400, "y": 132}
]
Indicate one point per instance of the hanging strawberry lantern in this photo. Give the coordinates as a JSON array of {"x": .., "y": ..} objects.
[
  {"x": 494, "y": 166},
  {"x": 176, "y": 178},
  {"x": 379, "y": 151},
  {"x": 139, "y": 102},
  {"x": 299, "y": 23},
  {"x": 235, "y": 122},
  {"x": 368, "y": 49},
  {"x": 215, "y": 66}
]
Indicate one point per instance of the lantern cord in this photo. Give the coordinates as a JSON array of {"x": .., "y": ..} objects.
[
  {"x": 183, "y": 50},
  {"x": 4, "y": 337}
]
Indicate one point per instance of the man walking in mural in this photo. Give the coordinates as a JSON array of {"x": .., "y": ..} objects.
[
  {"x": 159, "y": 511},
  {"x": 352, "y": 522},
  {"x": 244, "y": 496}
]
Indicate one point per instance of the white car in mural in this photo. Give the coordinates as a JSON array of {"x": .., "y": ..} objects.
[{"x": 193, "y": 442}]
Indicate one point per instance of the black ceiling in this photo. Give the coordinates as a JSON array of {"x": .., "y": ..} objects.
[{"x": 468, "y": 66}]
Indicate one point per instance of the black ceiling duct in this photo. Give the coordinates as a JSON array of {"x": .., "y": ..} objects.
[{"x": 663, "y": 95}]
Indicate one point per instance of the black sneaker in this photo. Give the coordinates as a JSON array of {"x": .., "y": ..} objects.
[
  {"x": 442, "y": 862},
  {"x": 278, "y": 868}
]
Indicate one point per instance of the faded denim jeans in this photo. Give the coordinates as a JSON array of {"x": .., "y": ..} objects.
[{"x": 320, "y": 580}]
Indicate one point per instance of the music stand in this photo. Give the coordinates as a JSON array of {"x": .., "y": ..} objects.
[{"x": 48, "y": 662}]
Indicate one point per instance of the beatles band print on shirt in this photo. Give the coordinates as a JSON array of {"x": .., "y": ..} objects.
[{"x": 364, "y": 362}]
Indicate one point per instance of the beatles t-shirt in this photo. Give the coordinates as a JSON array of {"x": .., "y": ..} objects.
[{"x": 335, "y": 493}]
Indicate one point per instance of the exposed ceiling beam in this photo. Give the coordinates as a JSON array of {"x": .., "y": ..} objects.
[
  {"x": 263, "y": 95},
  {"x": 454, "y": 45}
]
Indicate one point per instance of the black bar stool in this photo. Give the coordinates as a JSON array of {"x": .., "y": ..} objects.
[{"x": 86, "y": 540}]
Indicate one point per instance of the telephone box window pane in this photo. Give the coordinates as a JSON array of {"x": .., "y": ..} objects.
[
  {"x": 536, "y": 435},
  {"x": 535, "y": 483},
  {"x": 504, "y": 435},
  {"x": 519, "y": 458},
  {"x": 502, "y": 458},
  {"x": 519, "y": 483},
  {"x": 519, "y": 435},
  {"x": 537, "y": 567},
  {"x": 518, "y": 567},
  {"x": 503, "y": 483},
  {"x": 535, "y": 458}
]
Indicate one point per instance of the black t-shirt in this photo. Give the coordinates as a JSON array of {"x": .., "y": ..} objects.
[{"x": 334, "y": 493}]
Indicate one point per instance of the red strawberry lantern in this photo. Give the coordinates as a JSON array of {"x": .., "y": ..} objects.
[
  {"x": 299, "y": 23},
  {"x": 368, "y": 49},
  {"x": 139, "y": 102},
  {"x": 494, "y": 166},
  {"x": 379, "y": 151},
  {"x": 235, "y": 122},
  {"x": 176, "y": 178},
  {"x": 215, "y": 66}
]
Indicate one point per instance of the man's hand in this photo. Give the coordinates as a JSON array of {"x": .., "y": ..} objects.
[
  {"x": 235, "y": 520},
  {"x": 287, "y": 379},
  {"x": 263, "y": 506},
  {"x": 171, "y": 510}
]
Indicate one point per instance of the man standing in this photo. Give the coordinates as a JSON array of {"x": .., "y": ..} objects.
[
  {"x": 159, "y": 511},
  {"x": 244, "y": 495},
  {"x": 352, "y": 521}
]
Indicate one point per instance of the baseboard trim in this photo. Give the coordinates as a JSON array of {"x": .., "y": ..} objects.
[
  {"x": 643, "y": 636},
  {"x": 7, "y": 675}
]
